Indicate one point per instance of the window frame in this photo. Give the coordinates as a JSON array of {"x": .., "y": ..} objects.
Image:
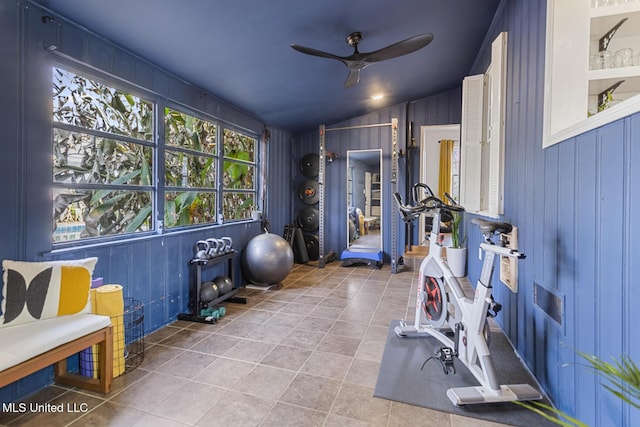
[
  {"x": 158, "y": 188},
  {"x": 257, "y": 172},
  {"x": 121, "y": 86}
]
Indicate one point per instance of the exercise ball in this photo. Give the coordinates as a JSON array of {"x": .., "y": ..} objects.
[
  {"x": 267, "y": 259},
  {"x": 209, "y": 291},
  {"x": 224, "y": 284}
]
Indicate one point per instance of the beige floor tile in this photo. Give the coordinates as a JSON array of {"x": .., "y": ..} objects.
[
  {"x": 190, "y": 403},
  {"x": 237, "y": 328},
  {"x": 355, "y": 401},
  {"x": 256, "y": 316},
  {"x": 161, "y": 334},
  {"x": 225, "y": 372},
  {"x": 187, "y": 364},
  {"x": 316, "y": 324},
  {"x": 311, "y": 392},
  {"x": 215, "y": 344},
  {"x": 265, "y": 381},
  {"x": 287, "y": 320},
  {"x": 109, "y": 414},
  {"x": 239, "y": 409},
  {"x": 326, "y": 312},
  {"x": 271, "y": 305},
  {"x": 307, "y": 340},
  {"x": 249, "y": 350},
  {"x": 329, "y": 365},
  {"x": 270, "y": 333},
  {"x": 185, "y": 338},
  {"x": 286, "y": 357},
  {"x": 158, "y": 355},
  {"x": 334, "y": 420},
  {"x": 147, "y": 393},
  {"x": 284, "y": 415},
  {"x": 339, "y": 345},
  {"x": 363, "y": 372},
  {"x": 403, "y": 415},
  {"x": 294, "y": 308},
  {"x": 370, "y": 350},
  {"x": 349, "y": 329}
]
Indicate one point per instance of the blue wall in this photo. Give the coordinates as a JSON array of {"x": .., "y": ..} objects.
[
  {"x": 152, "y": 269},
  {"x": 573, "y": 204}
]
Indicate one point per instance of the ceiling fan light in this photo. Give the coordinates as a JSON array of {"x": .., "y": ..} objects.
[{"x": 377, "y": 96}]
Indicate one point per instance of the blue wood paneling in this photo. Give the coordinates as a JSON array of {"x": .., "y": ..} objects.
[{"x": 572, "y": 204}]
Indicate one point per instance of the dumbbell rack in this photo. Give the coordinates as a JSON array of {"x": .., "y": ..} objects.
[{"x": 195, "y": 282}]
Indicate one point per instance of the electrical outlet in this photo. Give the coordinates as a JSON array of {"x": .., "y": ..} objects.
[{"x": 508, "y": 265}]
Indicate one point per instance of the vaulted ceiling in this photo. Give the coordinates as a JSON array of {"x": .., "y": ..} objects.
[{"x": 239, "y": 50}]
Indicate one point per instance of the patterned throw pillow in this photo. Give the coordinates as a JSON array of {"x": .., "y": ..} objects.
[{"x": 42, "y": 290}]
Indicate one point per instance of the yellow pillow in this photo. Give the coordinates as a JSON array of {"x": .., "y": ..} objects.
[{"x": 42, "y": 290}]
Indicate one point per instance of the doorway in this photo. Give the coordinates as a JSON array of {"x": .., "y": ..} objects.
[{"x": 430, "y": 137}]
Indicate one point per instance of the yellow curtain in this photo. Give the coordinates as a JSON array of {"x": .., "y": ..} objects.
[{"x": 444, "y": 179}]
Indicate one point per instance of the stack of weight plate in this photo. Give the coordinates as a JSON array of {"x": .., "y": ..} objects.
[{"x": 308, "y": 219}]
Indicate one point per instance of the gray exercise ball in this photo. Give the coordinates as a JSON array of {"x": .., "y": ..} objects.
[{"x": 267, "y": 259}]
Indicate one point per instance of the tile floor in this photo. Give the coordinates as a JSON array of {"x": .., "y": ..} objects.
[{"x": 306, "y": 354}]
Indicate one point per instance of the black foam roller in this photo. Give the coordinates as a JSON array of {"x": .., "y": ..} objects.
[{"x": 300, "y": 247}]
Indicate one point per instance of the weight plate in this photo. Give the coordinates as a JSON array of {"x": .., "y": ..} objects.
[
  {"x": 309, "y": 218},
  {"x": 310, "y": 165},
  {"x": 313, "y": 246},
  {"x": 308, "y": 192}
]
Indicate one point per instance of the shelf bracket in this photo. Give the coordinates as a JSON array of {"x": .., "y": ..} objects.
[
  {"x": 602, "y": 96},
  {"x": 604, "y": 41}
]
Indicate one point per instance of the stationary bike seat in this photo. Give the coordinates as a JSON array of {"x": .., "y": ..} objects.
[{"x": 492, "y": 226}]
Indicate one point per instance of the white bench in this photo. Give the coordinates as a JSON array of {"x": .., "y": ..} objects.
[
  {"x": 29, "y": 347},
  {"x": 47, "y": 317}
]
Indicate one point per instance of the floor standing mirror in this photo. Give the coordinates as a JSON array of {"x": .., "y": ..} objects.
[{"x": 364, "y": 208}]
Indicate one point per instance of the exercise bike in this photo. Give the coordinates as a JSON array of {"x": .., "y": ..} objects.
[{"x": 444, "y": 312}]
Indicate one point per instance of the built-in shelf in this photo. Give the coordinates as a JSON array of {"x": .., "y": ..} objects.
[{"x": 573, "y": 90}]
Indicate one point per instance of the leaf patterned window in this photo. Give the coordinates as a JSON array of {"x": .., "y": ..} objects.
[
  {"x": 190, "y": 168},
  {"x": 103, "y": 151},
  {"x": 239, "y": 175}
]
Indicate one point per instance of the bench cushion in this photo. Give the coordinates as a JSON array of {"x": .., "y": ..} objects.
[{"x": 22, "y": 342}]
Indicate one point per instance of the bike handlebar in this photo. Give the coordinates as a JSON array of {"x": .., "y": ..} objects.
[{"x": 427, "y": 204}]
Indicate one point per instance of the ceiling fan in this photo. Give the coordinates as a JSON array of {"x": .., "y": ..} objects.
[{"x": 358, "y": 61}]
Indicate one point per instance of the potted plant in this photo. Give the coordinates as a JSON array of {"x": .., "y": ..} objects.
[{"x": 457, "y": 252}]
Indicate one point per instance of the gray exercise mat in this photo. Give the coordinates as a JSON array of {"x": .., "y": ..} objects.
[{"x": 401, "y": 379}]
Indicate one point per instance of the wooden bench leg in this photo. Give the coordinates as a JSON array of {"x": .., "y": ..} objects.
[{"x": 101, "y": 384}]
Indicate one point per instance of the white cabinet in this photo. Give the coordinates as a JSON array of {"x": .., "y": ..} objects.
[{"x": 582, "y": 68}]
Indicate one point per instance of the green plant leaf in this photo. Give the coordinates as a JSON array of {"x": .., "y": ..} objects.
[
  {"x": 548, "y": 413},
  {"x": 139, "y": 219},
  {"x": 121, "y": 180}
]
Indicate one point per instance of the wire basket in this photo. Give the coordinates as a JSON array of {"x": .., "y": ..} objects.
[
  {"x": 133, "y": 334},
  {"x": 128, "y": 349}
]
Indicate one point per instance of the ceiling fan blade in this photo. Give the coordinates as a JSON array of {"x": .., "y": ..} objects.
[
  {"x": 353, "y": 78},
  {"x": 398, "y": 49},
  {"x": 316, "y": 52}
]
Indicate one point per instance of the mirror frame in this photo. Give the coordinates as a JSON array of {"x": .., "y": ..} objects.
[{"x": 369, "y": 153}]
